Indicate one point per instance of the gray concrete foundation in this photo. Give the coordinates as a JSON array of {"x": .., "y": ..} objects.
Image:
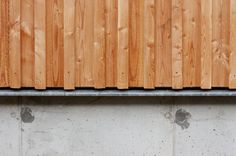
[{"x": 118, "y": 126}]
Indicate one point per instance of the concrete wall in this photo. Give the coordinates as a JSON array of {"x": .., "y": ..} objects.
[{"x": 117, "y": 126}]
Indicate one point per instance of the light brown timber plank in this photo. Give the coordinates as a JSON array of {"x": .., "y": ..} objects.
[
  {"x": 69, "y": 44},
  {"x": 123, "y": 45},
  {"x": 40, "y": 43},
  {"x": 14, "y": 44},
  {"x": 149, "y": 44},
  {"x": 177, "y": 44}
]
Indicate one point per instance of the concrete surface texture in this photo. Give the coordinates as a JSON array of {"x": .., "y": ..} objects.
[{"x": 117, "y": 126}]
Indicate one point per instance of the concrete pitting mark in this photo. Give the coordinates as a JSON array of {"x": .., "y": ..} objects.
[
  {"x": 26, "y": 115},
  {"x": 182, "y": 118},
  {"x": 13, "y": 114},
  {"x": 168, "y": 116}
]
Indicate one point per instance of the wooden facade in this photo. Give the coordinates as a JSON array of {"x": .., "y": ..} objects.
[{"x": 118, "y": 43}]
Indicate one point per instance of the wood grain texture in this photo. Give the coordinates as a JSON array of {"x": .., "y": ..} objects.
[
  {"x": 232, "y": 77},
  {"x": 206, "y": 44},
  {"x": 40, "y": 43},
  {"x": 123, "y": 45},
  {"x": 163, "y": 43},
  {"x": 221, "y": 38},
  {"x": 4, "y": 43},
  {"x": 118, "y": 43},
  {"x": 217, "y": 42},
  {"x": 191, "y": 43},
  {"x": 27, "y": 43},
  {"x": 225, "y": 40},
  {"x": 177, "y": 44},
  {"x": 149, "y": 45},
  {"x": 99, "y": 64},
  {"x": 84, "y": 42},
  {"x": 136, "y": 43},
  {"x": 111, "y": 41},
  {"x": 55, "y": 43},
  {"x": 14, "y": 44},
  {"x": 69, "y": 44}
]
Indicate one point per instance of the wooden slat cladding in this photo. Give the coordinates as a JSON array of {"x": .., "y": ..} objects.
[
  {"x": 14, "y": 44},
  {"x": 163, "y": 43},
  {"x": 111, "y": 29},
  {"x": 40, "y": 43},
  {"x": 232, "y": 78},
  {"x": 221, "y": 39},
  {"x": 99, "y": 67},
  {"x": 191, "y": 43},
  {"x": 84, "y": 39},
  {"x": 69, "y": 44},
  {"x": 118, "y": 43},
  {"x": 123, "y": 44},
  {"x": 136, "y": 43},
  {"x": 27, "y": 43},
  {"x": 4, "y": 44},
  {"x": 55, "y": 43},
  {"x": 206, "y": 44},
  {"x": 177, "y": 44},
  {"x": 149, "y": 48}
]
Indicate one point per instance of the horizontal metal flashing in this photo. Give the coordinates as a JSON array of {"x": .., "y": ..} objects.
[{"x": 111, "y": 92}]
